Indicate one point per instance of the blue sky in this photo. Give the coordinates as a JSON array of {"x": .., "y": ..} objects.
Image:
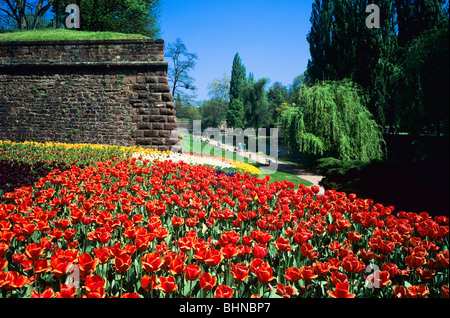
[{"x": 269, "y": 35}]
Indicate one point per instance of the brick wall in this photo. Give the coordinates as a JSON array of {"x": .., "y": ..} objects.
[{"x": 102, "y": 92}]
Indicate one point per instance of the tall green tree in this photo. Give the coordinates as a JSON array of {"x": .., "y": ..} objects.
[
  {"x": 256, "y": 106},
  {"x": 331, "y": 120},
  {"x": 319, "y": 39},
  {"x": 235, "y": 113},
  {"x": 343, "y": 47},
  {"x": 425, "y": 78}
]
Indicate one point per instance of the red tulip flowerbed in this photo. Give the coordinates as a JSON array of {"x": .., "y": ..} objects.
[{"x": 161, "y": 229}]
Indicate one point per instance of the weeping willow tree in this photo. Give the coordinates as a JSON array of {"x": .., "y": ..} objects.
[{"x": 331, "y": 120}]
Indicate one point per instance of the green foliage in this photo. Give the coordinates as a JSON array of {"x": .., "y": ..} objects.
[
  {"x": 125, "y": 16},
  {"x": 185, "y": 110},
  {"x": 220, "y": 88},
  {"x": 289, "y": 123},
  {"x": 235, "y": 114},
  {"x": 331, "y": 119},
  {"x": 235, "y": 111},
  {"x": 425, "y": 82},
  {"x": 333, "y": 166},
  {"x": 277, "y": 95},
  {"x": 238, "y": 77},
  {"x": 256, "y": 107},
  {"x": 391, "y": 63},
  {"x": 213, "y": 112}
]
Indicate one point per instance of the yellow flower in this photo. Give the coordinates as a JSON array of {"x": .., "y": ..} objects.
[{"x": 245, "y": 167}]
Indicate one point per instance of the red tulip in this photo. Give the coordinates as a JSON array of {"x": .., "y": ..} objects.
[
  {"x": 149, "y": 283},
  {"x": 293, "y": 274},
  {"x": 444, "y": 291},
  {"x": 192, "y": 272},
  {"x": 48, "y": 293},
  {"x": 122, "y": 263},
  {"x": 167, "y": 284},
  {"x": 307, "y": 273},
  {"x": 207, "y": 282},
  {"x": 33, "y": 251},
  {"x": 285, "y": 291},
  {"x": 67, "y": 291},
  {"x": 230, "y": 251},
  {"x": 415, "y": 261},
  {"x": 87, "y": 264},
  {"x": 95, "y": 285},
  {"x": 185, "y": 244},
  {"x": 223, "y": 291},
  {"x": 3, "y": 263},
  {"x": 177, "y": 221},
  {"x": 130, "y": 295},
  {"x": 213, "y": 257},
  {"x": 239, "y": 272},
  {"x": 337, "y": 277},
  {"x": 41, "y": 266},
  {"x": 351, "y": 264},
  {"x": 152, "y": 262},
  {"x": 264, "y": 273},
  {"x": 443, "y": 258},
  {"x": 283, "y": 245},
  {"x": 176, "y": 266},
  {"x": 341, "y": 291},
  {"x": 259, "y": 250},
  {"x": 420, "y": 291}
]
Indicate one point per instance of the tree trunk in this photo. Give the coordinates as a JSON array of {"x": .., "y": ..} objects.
[
  {"x": 22, "y": 22},
  {"x": 57, "y": 15}
]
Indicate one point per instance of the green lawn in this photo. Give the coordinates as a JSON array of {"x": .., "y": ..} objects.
[
  {"x": 189, "y": 145},
  {"x": 64, "y": 34}
]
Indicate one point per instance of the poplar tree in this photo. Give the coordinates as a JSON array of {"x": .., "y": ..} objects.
[
  {"x": 380, "y": 59},
  {"x": 235, "y": 112}
]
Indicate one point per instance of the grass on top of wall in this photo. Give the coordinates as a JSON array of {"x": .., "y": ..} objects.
[{"x": 64, "y": 34}]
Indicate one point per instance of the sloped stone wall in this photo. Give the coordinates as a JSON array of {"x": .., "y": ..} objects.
[{"x": 103, "y": 92}]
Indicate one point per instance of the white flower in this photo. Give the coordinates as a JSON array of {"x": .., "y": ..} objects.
[{"x": 190, "y": 159}]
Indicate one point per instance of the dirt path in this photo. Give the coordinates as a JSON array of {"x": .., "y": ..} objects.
[{"x": 282, "y": 166}]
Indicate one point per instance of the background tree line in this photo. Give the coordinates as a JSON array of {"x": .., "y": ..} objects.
[
  {"x": 125, "y": 16},
  {"x": 403, "y": 65}
]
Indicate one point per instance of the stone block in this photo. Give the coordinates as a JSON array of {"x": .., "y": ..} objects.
[
  {"x": 167, "y": 97},
  {"x": 158, "y": 141},
  {"x": 157, "y": 119},
  {"x": 151, "y": 79},
  {"x": 172, "y": 119},
  {"x": 166, "y": 111},
  {"x": 144, "y": 141},
  {"x": 143, "y": 125},
  {"x": 151, "y": 133},
  {"x": 170, "y": 126},
  {"x": 157, "y": 126}
]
